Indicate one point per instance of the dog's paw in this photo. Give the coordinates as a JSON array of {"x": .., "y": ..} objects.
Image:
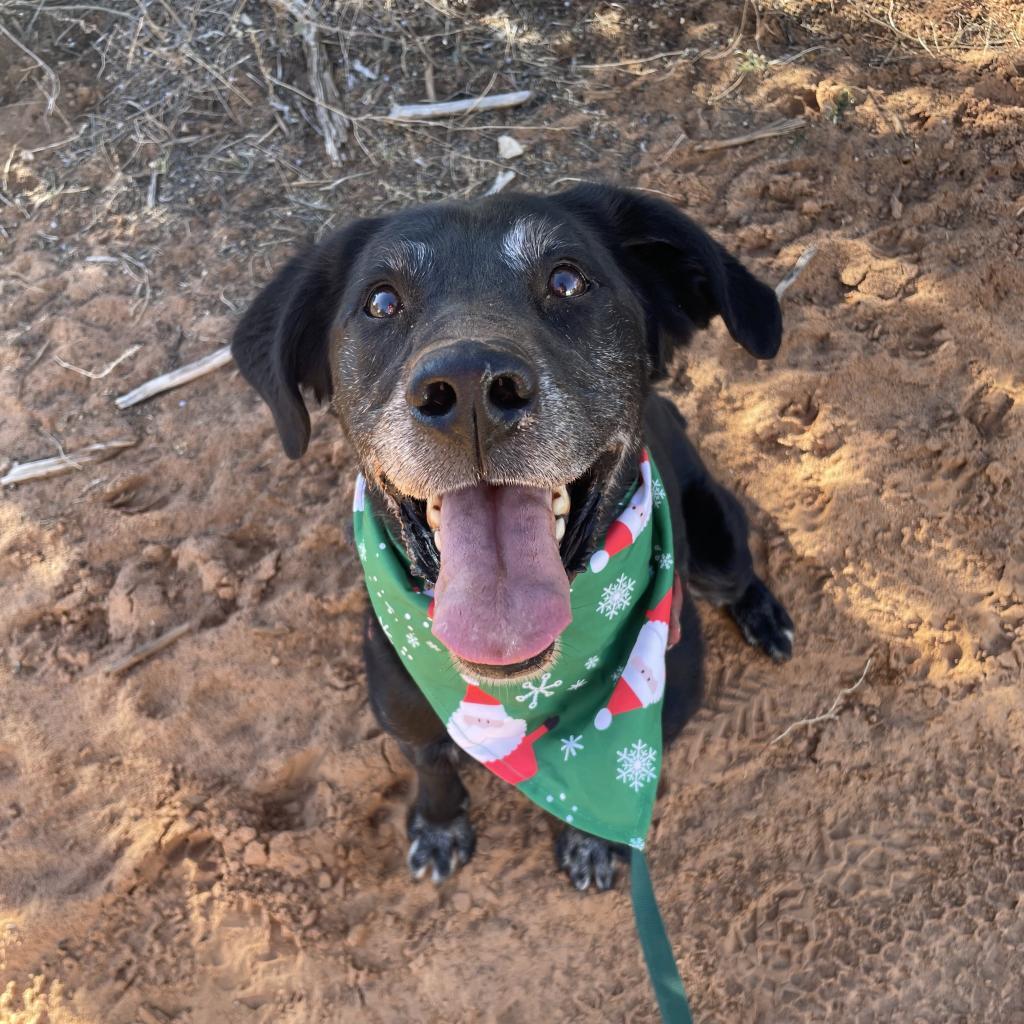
[
  {"x": 587, "y": 859},
  {"x": 439, "y": 849},
  {"x": 763, "y": 621}
]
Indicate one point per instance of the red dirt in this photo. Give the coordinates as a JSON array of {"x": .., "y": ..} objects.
[{"x": 217, "y": 834}]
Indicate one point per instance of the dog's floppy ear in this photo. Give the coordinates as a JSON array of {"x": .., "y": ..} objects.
[
  {"x": 282, "y": 340},
  {"x": 683, "y": 275}
]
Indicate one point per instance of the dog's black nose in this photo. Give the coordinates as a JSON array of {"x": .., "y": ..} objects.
[{"x": 471, "y": 388}]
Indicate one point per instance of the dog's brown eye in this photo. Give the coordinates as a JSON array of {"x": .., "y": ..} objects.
[
  {"x": 382, "y": 303},
  {"x": 566, "y": 282}
]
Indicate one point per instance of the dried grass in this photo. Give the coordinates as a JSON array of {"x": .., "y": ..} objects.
[
  {"x": 197, "y": 100},
  {"x": 201, "y": 95}
]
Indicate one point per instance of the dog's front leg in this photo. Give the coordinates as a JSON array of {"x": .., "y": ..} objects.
[{"x": 441, "y": 838}]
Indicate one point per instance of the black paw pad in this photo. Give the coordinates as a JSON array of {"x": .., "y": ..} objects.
[
  {"x": 764, "y": 622},
  {"x": 587, "y": 859},
  {"x": 439, "y": 849}
]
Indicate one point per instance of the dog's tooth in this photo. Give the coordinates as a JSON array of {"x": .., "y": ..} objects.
[
  {"x": 437, "y": 539},
  {"x": 559, "y": 527},
  {"x": 560, "y": 501},
  {"x": 434, "y": 512}
]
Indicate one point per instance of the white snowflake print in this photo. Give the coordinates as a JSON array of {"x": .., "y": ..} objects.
[
  {"x": 637, "y": 842},
  {"x": 385, "y": 629},
  {"x": 579, "y": 684},
  {"x": 658, "y": 493},
  {"x": 433, "y": 646},
  {"x": 534, "y": 691},
  {"x": 571, "y": 746},
  {"x": 411, "y": 639},
  {"x": 617, "y": 674},
  {"x": 665, "y": 561},
  {"x": 361, "y": 548},
  {"x": 391, "y": 611},
  {"x": 636, "y": 765},
  {"x": 592, "y": 662},
  {"x": 615, "y": 597}
]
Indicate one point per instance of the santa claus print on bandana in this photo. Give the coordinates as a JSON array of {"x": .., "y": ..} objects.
[
  {"x": 631, "y": 520},
  {"x": 642, "y": 682},
  {"x": 482, "y": 727}
]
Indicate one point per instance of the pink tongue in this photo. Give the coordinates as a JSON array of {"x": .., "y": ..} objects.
[{"x": 502, "y": 595}]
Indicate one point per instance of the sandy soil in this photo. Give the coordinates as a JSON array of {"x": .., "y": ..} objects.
[{"x": 216, "y": 835}]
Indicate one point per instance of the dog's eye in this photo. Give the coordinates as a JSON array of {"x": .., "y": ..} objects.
[
  {"x": 566, "y": 282},
  {"x": 382, "y": 303}
]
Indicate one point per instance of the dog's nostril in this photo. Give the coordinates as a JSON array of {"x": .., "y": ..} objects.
[
  {"x": 438, "y": 399},
  {"x": 509, "y": 393}
]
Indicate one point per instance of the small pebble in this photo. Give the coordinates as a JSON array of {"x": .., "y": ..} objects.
[
  {"x": 254, "y": 855},
  {"x": 509, "y": 148}
]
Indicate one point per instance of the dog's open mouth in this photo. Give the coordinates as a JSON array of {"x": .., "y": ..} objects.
[
  {"x": 503, "y": 557},
  {"x": 502, "y": 595}
]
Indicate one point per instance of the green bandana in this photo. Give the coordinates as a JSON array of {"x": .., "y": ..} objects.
[{"x": 583, "y": 739}]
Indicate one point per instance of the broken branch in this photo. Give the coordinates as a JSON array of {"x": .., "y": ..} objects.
[
  {"x": 427, "y": 111},
  {"x": 21, "y": 472},
  {"x": 786, "y": 283},
  {"x": 768, "y": 132},
  {"x": 327, "y": 100},
  {"x": 501, "y": 179},
  {"x": 832, "y": 714},
  {"x": 147, "y": 650},
  {"x": 174, "y": 379},
  {"x": 99, "y": 375}
]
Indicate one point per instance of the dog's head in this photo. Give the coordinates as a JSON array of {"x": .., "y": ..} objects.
[{"x": 489, "y": 362}]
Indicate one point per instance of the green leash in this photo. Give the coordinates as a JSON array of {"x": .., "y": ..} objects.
[{"x": 661, "y": 964}]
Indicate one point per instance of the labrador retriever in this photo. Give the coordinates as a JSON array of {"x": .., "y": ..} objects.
[{"x": 478, "y": 354}]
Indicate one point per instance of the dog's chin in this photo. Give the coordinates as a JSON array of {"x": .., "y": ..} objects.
[{"x": 508, "y": 673}]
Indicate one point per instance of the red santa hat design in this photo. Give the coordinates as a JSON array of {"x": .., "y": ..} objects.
[
  {"x": 482, "y": 705},
  {"x": 634, "y": 690},
  {"x": 630, "y": 523},
  {"x": 617, "y": 539},
  {"x": 521, "y": 765}
]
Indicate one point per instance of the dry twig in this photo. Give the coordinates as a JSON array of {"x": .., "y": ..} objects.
[
  {"x": 41, "y": 469},
  {"x": 174, "y": 379},
  {"x": 94, "y": 375},
  {"x": 147, "y": 650},
  {"x": 501, "y": 179},
  {"x": 51, "y": 75},
  {"x": 784, "y": 127},
  {"x": 787, "y": 282},
  {"x": 333, "y": 123},
  {"x": 629, "y": 61},
  {"x": 428, "y": 111},
  {"x": 832, "y": 714}
]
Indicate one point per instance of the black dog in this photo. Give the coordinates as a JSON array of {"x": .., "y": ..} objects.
[{"x": 490, "y": 348}]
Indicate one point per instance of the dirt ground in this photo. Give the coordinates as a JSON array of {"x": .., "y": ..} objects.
[{"x": 216, "y": 835}]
